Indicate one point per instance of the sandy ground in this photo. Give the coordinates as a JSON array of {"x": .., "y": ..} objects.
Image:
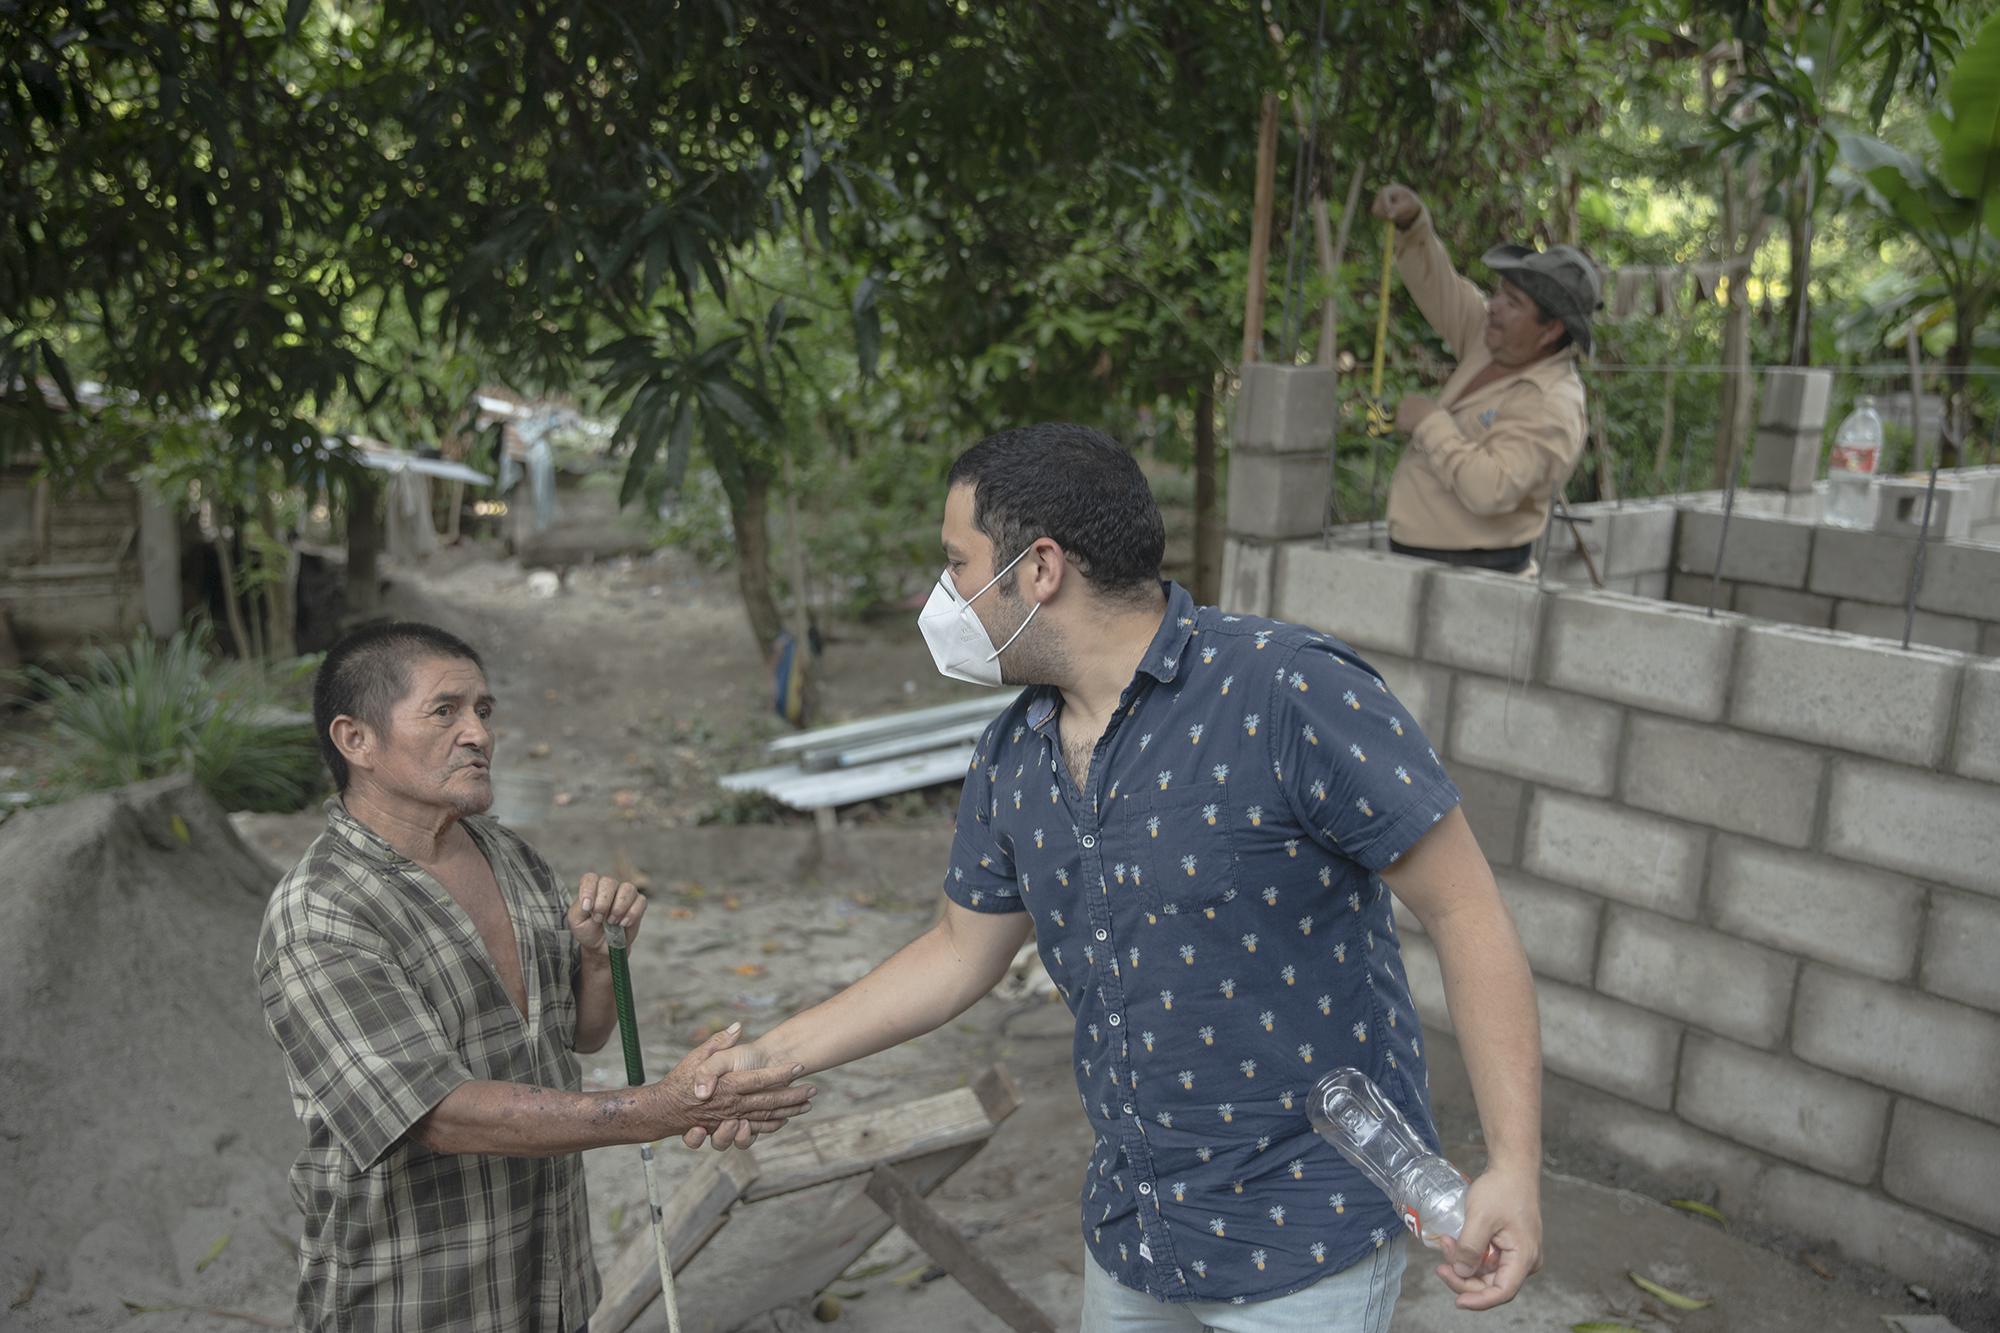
[{"x": 621, "y": 700}]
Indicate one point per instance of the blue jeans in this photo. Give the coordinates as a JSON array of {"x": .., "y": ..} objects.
[{"x": 1358, "y": 1299}]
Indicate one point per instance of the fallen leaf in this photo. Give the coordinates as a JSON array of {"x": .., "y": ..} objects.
[
  {"x": 180, "y": 828},
  {"x": 550, "y": 695},
  {"x": 1699, "y": 1209},
  {"x": 732, "y": 902},
  {"x": 749, "y": 969},
  {"x": 214, "y": 1252},
  {"x": 681, "y": 913},
  {"x": 28, "y": 1290},
  {"x": 771, "y": 946},
  {"x": 625, "y": 798},
  {"x": 1818, "y": 1267},
  {"x": 564, "y": 798},
  {"x": 539, "y": 750},
  {"x": 1668, "y": 1296}
]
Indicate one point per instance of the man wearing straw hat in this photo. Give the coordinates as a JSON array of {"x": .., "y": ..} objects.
[{"x": 1487, "y": 454}]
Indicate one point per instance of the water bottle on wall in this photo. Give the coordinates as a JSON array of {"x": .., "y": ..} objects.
[
  {"x": 1850, "y": 467},
  {"x": 1350, "y": 1112}
]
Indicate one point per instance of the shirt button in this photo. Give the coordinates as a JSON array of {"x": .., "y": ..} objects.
[
  {"x": 1116, "y": 1020},
  {"x": 1103, "y": 934},
  {"x": 1145, "y": 1188},
  {"x": 1128, "y": 1108},
  {"x": 1089, "y": 841}
]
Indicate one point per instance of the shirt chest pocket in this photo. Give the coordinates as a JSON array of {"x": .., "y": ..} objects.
[{"x": 1187, "y": 857}]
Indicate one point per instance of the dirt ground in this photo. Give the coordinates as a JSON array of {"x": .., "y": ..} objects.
[{"x": 621, "y": 700}]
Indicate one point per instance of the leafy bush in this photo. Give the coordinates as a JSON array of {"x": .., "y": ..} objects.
[{"x": 146, "y": 710}]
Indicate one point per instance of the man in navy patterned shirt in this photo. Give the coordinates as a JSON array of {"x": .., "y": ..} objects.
[{"x": 1197, "y": 815}]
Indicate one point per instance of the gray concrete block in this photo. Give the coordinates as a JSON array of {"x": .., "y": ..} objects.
[
  {"x": 1248, "y": 571},
  {"x": 1424, "y": 691},
  {"x": 1900, "y": 504},
  {"x": 1865, "y": 566},
  {"x": 1724, "y": 984},
  {"x": 1619, "y": 853},
  {"x": 1961, "y": 579},
  {"x": 1953, "y": 633},
  {"x": 1862, "y": 919},
  {"x": 1961, "y": 958},
  {"x": 1557, "y": 739},
  {"x": 1783, "y": 459},
  {"x": 1651, "y": 586},
  {"x": 1795, "y": 398},
  {"x": 1647, "y": 654},
  {"x": 1286, "y": 409},
  {"x": 1608, "y": 1045},
  {"x": 1686, "y": 1161},
  {"x": 1558, "y": 926},
  {"x": 1420, "y": 966},
  {"x": 1370, "y": 599},
  {"x": 1762, "y": 548},
  {"x": 1784, "y": 605},
  {"x": 1853, "y": 694},
  {"x": 1492, "y": 803},
  {"x": 1911, "y": 1244},
  {"x": 1724, "y": 779},
  {"x": 1278, "y": 497},
  {"x": 1483, "y": 622},
  {"x": 1945, "y": 1163},
  {"x": 1806, "y": 1115},
  {"x": 1937, "y": 828},
  {"x": 1638, "y": 539},
  {"x": 1693, "y": 590},
  {"x": 1900, "y": 1039},
  {"x": 1989, "y": 640}
]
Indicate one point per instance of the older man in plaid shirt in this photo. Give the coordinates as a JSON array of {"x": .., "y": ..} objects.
[{"x": 430, "y": 985}]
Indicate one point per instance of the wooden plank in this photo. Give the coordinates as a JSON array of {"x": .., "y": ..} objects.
[
  {"x": 895, "y": 1195},
  {"x": 852, "y": 1145},
  {"x": 697, "y": 1210}
]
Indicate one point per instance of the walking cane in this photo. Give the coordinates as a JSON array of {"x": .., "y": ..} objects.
[{"x": 635, "y": 1074}]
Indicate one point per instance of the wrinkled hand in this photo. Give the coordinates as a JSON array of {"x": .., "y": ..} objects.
[
  {"x": 723, "y": 1069},
  {"x": 601, "y": 899},
  {"x": 1503, "y": 1211},
  {"x": 1411, "y": 412},
  {"x": 692, "y": 1101},
  {"x": 1398, "y": 204}
]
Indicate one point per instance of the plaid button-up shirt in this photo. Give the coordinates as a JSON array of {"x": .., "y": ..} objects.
[
  {"x": 1209, "y": 907},
  {"x": 383, "y": 999}
]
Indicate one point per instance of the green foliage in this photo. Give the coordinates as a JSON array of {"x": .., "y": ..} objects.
[{"x": 147, "y": 710}]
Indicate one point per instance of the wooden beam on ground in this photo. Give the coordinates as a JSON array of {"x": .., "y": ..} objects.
[
  {"x": 895, "y": 1195},
  {"x": 697, "y": 1210},
  {"x": 1260, "y": 229}
]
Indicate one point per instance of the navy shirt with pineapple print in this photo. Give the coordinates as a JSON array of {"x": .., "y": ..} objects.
[{"x": 1209, "y": 909}]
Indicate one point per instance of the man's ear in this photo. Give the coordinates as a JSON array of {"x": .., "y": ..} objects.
[
  {"x": 354, "y": 739},
  {"x": 1049, "y": 567}
]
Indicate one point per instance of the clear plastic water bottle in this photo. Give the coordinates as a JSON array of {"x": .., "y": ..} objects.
[
  {"x": 1850, "y": 467},
  {"x": 1350, "y": 1112}
]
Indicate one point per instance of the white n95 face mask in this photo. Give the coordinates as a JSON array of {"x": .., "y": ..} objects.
[{"x": 959, "y": 644}]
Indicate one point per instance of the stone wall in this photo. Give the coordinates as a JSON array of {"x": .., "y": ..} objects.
[{"x": 1756, "y": 867}]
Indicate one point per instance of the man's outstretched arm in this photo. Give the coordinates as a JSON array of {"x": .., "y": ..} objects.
[{"x": 922, "y": 986}]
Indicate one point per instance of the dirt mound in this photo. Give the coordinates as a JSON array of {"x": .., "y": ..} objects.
[{"x": 143, "y": 1114}]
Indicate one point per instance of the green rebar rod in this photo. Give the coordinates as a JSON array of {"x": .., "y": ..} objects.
[{"x": 621, "y": 996}]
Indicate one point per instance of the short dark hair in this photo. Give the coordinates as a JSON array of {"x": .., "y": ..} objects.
[
  {"x": 1076, "y": 486},
  {"x": 367, "y": 671}
]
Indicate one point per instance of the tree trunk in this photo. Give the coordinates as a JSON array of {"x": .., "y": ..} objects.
[
  {"x": 232, "y": 605},
  {"x": 1798, "y": 250},
  {"x": 749, "y": 515},
  {"x": 364, "y": 547},
  {"x": 1207, "y": 513}
]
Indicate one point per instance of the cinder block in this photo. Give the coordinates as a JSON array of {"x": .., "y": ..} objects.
[
  {"x": 1784, "y": 460},
  {"x": 1862, "y": 919},
  {"x": 1370, "y": 599},
  {"x": 1653, "y": 587},
  {"x": 1795, "y": 398},
  {"x": 1955, "y": 633},
  {"x": 1900, "y": 504},
  {"x": 1248, "y": 571},
  {"x": 1854, "y": 694},
  {"x": 1284, "y": 409},
  {"x": 1865, "y": 566},
  {"x": 1558, "y": 926},
  {"x": 1483, "y": 622},
  {"x": 1721, "y": 778},
  {"x": 1420, "y": 967},
  {"x": 1639, "y": 539},
  {"x": 1945, "y": 1163},
  {"x": 1278, "y": 497},
  {"x": 1492, "y": 803},
  {"x": 1784, "y": 605},
  {"x": 1771, "y": 1102},
  {"x": 1977, "y": 751},
  {"x": 1608, "y": 1045},
  {"x": 1558, "y": 739},
  {"x": 1762, "y": 548},
  {"x": 1693, "y": 590},
  {"x": 1724, "y": 984},
  {"x": 1867, "y": 1227},
  {"x": 1647, "y": 654},
  {"x": 1615, "y": 852},
  {"x": 1900, "y": 1039},
  {"x": 1989, "y": 640},
  {"x": 1933, "y": 827},
  {"x": 1961, "y": 579},
  {"x": 1962, "y": 949},
  {"x": 1424, "y": 691},
  {"x": 1686, "y": 1161}
]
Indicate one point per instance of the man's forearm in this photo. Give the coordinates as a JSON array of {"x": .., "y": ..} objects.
[
  {"x": 521, "y": 1120},
  {"x": 1491, "y": 994}
]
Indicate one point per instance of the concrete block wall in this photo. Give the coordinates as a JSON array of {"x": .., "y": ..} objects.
[{"x": 1756, "y": 870}]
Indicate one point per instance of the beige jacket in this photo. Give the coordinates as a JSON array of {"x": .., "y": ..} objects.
[{"x": 1478, "y": 474}]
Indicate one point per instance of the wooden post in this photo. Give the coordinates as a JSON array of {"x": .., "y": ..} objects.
[
  {"x": 895, "y": 1195},
  {"x": 1260, "y": 228}
]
